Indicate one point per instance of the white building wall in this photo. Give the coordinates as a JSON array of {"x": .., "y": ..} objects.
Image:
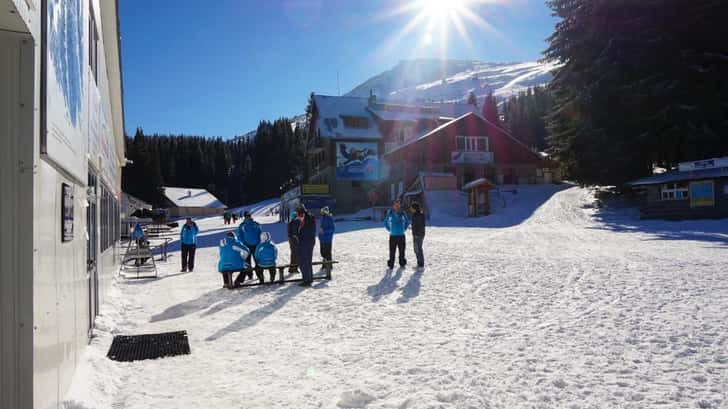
[{"x": 50, "y": 315}]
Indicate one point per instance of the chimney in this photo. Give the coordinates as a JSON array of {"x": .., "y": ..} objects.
[{"x": 372, "y": 98}]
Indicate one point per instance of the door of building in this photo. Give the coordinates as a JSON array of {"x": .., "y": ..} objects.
[{"x": 92, "y": 251}]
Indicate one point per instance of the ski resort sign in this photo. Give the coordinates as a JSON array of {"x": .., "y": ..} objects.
[{"x": 357, "y": 161}]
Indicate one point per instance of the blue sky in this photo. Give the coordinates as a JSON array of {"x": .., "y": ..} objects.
[{"x": 217, "y": 68}]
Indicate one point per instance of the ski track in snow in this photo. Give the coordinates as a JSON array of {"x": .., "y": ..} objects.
[{"x": 554, "y": 308}]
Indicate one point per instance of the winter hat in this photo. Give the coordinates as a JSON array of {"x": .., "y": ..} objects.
[
  {"x": 416, "y": 206},
  {"x": 247, "y": 213},
  {"x": 301, "y": 208},
  {"x": 230, "y": 234},
  {"x": 325, "y": 211},
  {"x": 264, "y": 237}
]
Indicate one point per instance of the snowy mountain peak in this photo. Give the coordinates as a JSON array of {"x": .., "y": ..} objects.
[{"x": 453, "y": 80}]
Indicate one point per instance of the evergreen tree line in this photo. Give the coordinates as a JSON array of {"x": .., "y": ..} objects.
[
  {"x": 641, "y": 85},
  {"x": 238, "y": 171},
  {"x": 524, "y": 115}
]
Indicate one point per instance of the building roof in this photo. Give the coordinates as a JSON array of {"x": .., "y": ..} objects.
[
  {"x": 330, "y": 111},
  {"x": 191, "y": 197},
  {"x": 678, "y": 176},
  {"x": 476, "y": 183}
]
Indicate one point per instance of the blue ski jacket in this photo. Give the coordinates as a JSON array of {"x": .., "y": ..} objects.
[
  {"x": 327, "y": 229},
  {"x": 396, "y": 223},
  {"x": 266, "y": 253},
  {"x": 232, "y": 255},
  {"x": 138, "y": 233},
  {"x": 188, "y": 234},
  {"x": 249, "y": 232}
]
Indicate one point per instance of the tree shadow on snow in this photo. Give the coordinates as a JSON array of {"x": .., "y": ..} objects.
[
  {"x": 386, "y": 285},
  {"x": 254, "y": 317},
  {"x": 620, "y": 218},
  {"x": 412, "y": 288}
]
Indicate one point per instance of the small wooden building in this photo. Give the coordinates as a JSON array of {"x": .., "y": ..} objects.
[
  {"x": 696, "y": 190},
  {"x": 478, "y": 197}
]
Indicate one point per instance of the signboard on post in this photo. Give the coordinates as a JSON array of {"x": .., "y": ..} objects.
[
  {"x": 357, "y": 161},
  {"x": 703, "y": 164},
  {"x": 702, "y": 194},
  {"x": 315, "y": 189}
]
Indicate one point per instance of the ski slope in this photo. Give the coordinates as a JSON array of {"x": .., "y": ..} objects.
[{"x": 549, "y": 303}]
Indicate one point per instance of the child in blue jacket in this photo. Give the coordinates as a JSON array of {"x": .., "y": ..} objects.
[
  {"x": 396, "y": 222},
  {"x": 266, "y": 254},
  {"x": 233, "y": 255}
]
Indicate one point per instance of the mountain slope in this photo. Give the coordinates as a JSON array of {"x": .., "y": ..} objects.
[{"x": 453, "y": 80}]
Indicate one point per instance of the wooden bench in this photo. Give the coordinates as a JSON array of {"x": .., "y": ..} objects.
[{"x": 259, "y": 271}]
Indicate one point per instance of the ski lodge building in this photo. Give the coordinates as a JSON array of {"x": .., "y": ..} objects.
[
  {"x": 189, "y": 202},
  {"x": 370, "y": 152},
  {"x": 62, "y": 117}
]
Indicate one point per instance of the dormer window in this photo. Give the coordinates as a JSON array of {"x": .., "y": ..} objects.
[{"x": 358, "y": 122}]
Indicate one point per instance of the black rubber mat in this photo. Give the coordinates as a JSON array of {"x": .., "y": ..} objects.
[{"x": 127, "y": 348}]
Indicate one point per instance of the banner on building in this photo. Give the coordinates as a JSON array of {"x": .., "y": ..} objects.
[
  {"x": 66, "y": 96},
  {"x": 357, "y": 161},
  {"x": 702, "y": 194},
  {"x": 315, "y": 189}
]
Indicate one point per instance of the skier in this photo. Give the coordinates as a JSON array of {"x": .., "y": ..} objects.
[
  {"x": 418, "y": 232},
  {"x": 293, "y": 242},
  {"x": 249, "y": 233},
  {"x": 306, "y": 238},
  {"x": 266, "y": 254},
  {"x": 233, "y": 254},
  {"x": 188, "y": 238},
  {"x": 396, "y": 223},
  {"x": 326, "y": 235}
]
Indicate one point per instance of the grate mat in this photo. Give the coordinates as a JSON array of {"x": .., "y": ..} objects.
[{"x": 127, "y": 348}]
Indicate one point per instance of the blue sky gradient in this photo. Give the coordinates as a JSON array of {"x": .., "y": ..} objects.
[{"x": 218, "y": 68}]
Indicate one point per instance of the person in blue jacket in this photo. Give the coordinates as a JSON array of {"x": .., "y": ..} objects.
[
  {"x": 266, "y": 254},
  {"x": 249, "y": 233},
  {"x": 188, "y": 238},
  {"x": 306, "y": 239},
  {"x": 233, "y": 254},
  {"x": 326, "y": 235},
  {"x": 396, "y": 223}
]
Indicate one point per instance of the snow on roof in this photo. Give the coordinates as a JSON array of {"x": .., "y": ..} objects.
[
  {"x": 476, "y": 183},
  {"x": 331, "y": 109},
  {"x": 191, "y": 197},
  {"x": 677, "y": 176}
]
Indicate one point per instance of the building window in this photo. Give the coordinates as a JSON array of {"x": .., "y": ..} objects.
[
  {"x": 472, "y": 143},
  {"x": 109, "y": 223},
  {"x": 358, "y": 122},
  {"x": 674, "y": 191},
  {"x": 93, "y": 45}
]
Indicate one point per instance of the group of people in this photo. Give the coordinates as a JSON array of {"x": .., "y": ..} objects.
[
  {"x": 397, "y": 222},
  {"x": 230, "y": 217},
  {"x": 249, "y": 244}
]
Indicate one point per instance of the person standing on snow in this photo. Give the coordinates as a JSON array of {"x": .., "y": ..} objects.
[
  {"x": 293, "y": 241},
  {"x": 418, "y": 232},
  {"x": 249, "y": 233},
  {"x": 396, "y": 223},
  {"x": 306, "y": 237},
  {"x": 326, "y": 235},
  {"x": 188, "y": 238},
  {"x": 233, "y": 254}
]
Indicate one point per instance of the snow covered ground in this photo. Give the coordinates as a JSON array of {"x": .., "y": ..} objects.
[{"x": 549, "y": 303}]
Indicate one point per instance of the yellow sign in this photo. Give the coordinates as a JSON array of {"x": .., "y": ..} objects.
[
  {"x": 702, "y": 194},
  {"x": 315, "y": 189}
]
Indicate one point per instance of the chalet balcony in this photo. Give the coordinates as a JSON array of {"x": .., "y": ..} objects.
[{"x": 471, "y": 157}]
